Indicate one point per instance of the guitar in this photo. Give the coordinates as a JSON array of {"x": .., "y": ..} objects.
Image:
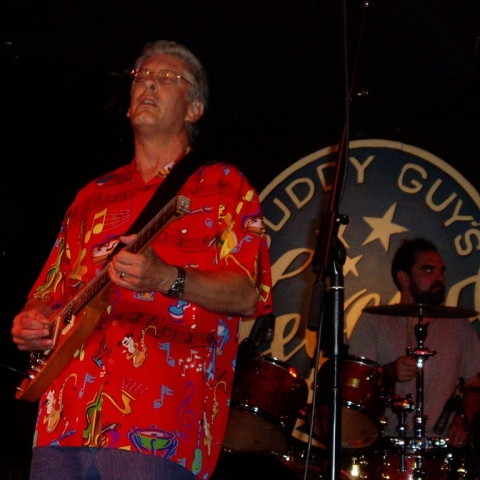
[{"x": 71, "y": 326}]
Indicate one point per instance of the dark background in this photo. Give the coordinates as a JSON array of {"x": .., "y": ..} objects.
[{"x": 278, "y": 81}]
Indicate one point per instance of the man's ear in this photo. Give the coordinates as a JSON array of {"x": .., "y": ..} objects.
[
  {"x": 128, "y": 113},
  {"x": 403, "y": 278},
  {"x": 194, "y": 111}
]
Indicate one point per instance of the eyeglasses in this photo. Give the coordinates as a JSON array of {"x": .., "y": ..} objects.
[{"x": 166, "y": 77}]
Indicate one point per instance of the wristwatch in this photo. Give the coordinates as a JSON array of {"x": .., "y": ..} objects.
[{"x": 178, "y": 286}]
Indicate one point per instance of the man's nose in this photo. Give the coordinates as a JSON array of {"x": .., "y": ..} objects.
[
  {"x": 150, "y": 84},
  {"x": 441, "y": 276}
]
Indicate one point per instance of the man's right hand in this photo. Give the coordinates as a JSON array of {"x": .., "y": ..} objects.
[
  {"x": 403, "y": 369},
  {"x": 30, "y": 328}
]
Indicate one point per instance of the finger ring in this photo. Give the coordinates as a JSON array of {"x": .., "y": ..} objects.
[{"x": 122, "y": 275}]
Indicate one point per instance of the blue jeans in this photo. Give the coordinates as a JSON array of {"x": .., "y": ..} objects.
[{"x": 85, "y": 463}]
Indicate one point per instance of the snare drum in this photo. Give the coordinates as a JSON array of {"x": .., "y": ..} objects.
[
  {"x": 267, "y": 398},
  {"x": 364, "y": 393}
]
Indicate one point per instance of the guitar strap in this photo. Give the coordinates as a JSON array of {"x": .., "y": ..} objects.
[{"x": 167, "y": 190}]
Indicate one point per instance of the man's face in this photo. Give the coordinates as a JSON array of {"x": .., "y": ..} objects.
[
  {"x": 159, "y": 108},
  {"x": 427, "y": 279}
]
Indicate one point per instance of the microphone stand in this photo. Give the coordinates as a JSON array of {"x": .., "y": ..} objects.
[
  {"x": 328, "y": 290},
  {"x": 263, "y": 330}
]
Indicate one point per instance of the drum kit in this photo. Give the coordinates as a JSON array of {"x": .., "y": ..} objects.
[{"x": 269, "y": 401}]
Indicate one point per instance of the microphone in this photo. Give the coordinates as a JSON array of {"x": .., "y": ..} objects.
[
  {"x": 451, "y": 405},
  {"x": 270, "y": 328}
]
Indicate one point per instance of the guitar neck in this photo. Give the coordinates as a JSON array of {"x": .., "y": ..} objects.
[
  {"x": 174, "y": 209},
  {"x": 177, "y": 207}
]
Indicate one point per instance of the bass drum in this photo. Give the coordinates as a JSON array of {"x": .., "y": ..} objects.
[{"x": 267, "y": 398}]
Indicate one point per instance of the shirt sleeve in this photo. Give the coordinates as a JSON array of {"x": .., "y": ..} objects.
[
  {"x": 471, "y": 357},
  {"x": 49, "y": 286},
  {"x": 242, "y": 244}
]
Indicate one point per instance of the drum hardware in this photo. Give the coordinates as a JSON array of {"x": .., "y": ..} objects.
[
  {"x": 402, "y": 406},
  {"x": 413, "y": 455},
  {"x": 441, "y": 463},
  {"x": 386, "y": 461},
  {"x": 421, "y": 354},
  {"x": 356, "y": 467}
]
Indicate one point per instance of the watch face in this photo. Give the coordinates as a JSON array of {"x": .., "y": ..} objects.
[
  {"x": 179, "y": 286},
  {"x": 176, "y": 290}
]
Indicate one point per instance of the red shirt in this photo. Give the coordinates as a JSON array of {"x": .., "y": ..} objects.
[{"x": 156, "y": 373}]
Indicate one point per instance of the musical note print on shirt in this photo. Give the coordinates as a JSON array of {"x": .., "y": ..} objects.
[
  {"x": 166, "y": 346},
  {"x": 191, "y": 362},
  {"x": 185, "y": 415},
  {"x": 178, "y": 310},
  {"x": 106, "y": 220},
  {"x": 88, "y": 379},
  {"x": 158, "y": 403},
  {"x": 223, "y": 334}
]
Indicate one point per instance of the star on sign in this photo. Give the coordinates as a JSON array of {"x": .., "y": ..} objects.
[
  {"x": 351, "y": 265},
  {"x": 383, "y": 228}
]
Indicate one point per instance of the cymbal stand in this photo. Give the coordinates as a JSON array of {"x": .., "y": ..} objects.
[
  {"x": 421, "y": 353},
  {"x": 402, "y": 406}
]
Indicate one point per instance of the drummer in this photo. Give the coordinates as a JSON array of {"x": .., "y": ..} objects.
[{"x": 419, "y": 274}]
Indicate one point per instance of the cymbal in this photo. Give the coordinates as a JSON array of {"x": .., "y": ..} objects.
[{"x": 417, "y": 310}]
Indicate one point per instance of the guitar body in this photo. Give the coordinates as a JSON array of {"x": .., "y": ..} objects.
[
  {"x": 69, "y": 339},
  {"x": 70, "y": 330}
]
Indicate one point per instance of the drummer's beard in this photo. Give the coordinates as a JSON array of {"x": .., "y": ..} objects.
[{"x": 434, "y": 295}]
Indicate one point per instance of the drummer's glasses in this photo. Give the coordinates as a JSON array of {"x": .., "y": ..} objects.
[{"x": 165, "y": 77}]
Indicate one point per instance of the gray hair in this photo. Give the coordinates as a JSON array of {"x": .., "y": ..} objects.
[{"x": 199, "y": 90}]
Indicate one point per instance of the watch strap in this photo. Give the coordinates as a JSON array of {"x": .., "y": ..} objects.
[{"x": 178, "y": 287}]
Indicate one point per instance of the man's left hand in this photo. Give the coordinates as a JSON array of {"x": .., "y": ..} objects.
[{"x": 141, "y": 272}]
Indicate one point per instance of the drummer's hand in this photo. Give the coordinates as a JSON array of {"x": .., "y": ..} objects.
[
  {"x": 456, "y": 434},
  {"x": 406, "y": 368}
]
